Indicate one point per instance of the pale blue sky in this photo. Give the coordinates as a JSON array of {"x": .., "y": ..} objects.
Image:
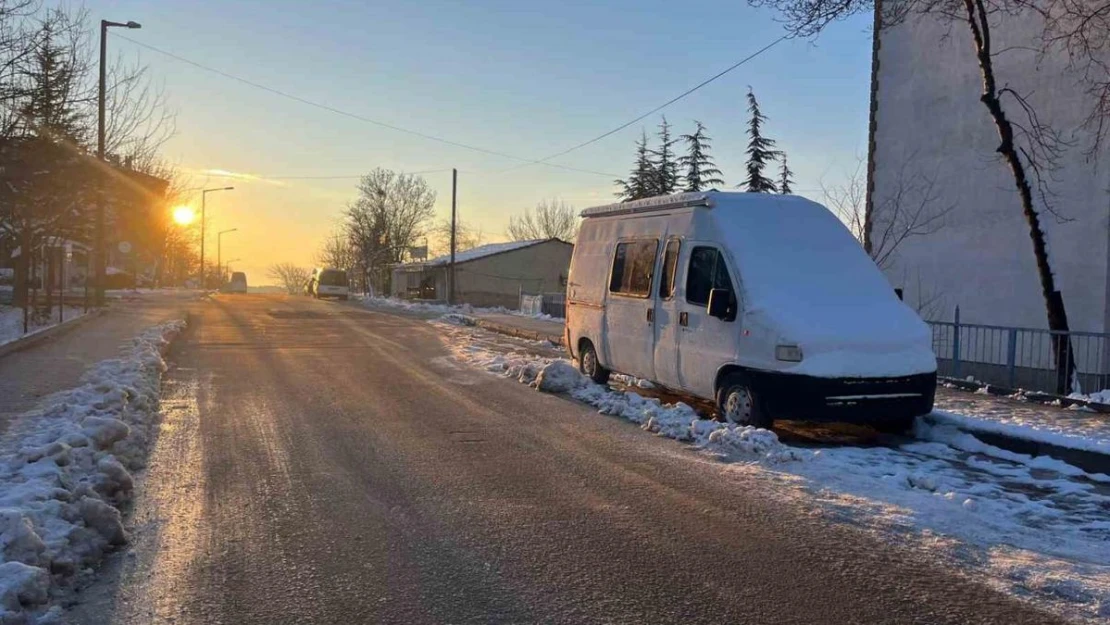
[{"x": 497, "y": 74}]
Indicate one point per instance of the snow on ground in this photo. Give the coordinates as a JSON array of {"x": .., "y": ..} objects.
[
  {"x": 1074, "y": 429},
  {"x": 443, "y": 309},
  {"x": 1034, "y": 527},
  {"x": 1101, "y": 397},
  {"x": 11, "y": 321},
  {"x": 65, "y": 469}
]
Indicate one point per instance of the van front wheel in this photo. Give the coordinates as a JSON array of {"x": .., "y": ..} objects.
[
  {"x": 590, "y": 366},
  {"x": 739, "y": 404}
]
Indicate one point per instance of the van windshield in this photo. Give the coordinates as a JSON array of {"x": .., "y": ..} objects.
[{"x": 333, "y": 277}]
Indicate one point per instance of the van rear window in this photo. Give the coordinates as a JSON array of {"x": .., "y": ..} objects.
[
  {"x": 633, "y": 267},
  {"x": 333, "y": 278}
]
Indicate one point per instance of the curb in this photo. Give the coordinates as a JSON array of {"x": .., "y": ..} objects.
[
  {"x": 1033, "y": 396},
  {"x": 42, "y": 335},
  {"x": 520, "y": 333},
  {"x": 1089, "y": 461}
]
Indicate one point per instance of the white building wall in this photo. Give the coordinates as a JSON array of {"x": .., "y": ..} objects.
[{"x": 930, "y": 123}]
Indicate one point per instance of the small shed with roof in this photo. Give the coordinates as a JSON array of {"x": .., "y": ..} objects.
[{"x": 489, "y": 275}]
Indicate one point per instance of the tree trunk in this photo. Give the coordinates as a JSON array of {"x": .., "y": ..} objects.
[
  {"x": 22, "y": 268},
  {"x": 1054, "y": 301}
]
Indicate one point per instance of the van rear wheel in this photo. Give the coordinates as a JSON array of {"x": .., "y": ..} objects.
[
  {"x": 739, "y": 404},
  {"x": 590, "y": 365}
]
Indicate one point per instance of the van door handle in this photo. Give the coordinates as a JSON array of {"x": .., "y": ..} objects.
[
  {"x": 683, "y": 319},
  {"x": 651, "y": 315}
]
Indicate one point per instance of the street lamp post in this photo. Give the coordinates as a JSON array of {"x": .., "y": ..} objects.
[
  {"x": 233, "y": 260},
  {"x": 203, "y": 196},
  {"x": 101, "y": 245},
  {"x": 219, "y": 251}
]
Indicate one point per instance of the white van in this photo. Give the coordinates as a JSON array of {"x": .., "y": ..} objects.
[
  {"x": 328, "y": 282},
  {"x": 238, "y": 283},
  {"x": 763, "y": 303}
]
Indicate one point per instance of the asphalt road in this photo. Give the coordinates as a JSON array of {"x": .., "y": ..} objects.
[{"x": 323, "y": 464}]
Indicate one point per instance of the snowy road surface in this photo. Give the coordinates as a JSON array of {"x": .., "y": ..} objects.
[{"x": 322, "y": 464}]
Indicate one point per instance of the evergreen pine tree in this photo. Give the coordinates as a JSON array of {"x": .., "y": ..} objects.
[
  {"x": 786, "y": 177},
  {"x": 761, "y": 151},
  {"x": 665, "y": 181},
  {"x": 52, "y": 106},
  {"x": 701, "y": 171},
  {"x": 640, "y": 182}
]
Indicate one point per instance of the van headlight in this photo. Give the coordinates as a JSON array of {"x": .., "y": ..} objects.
[{"x": 788, "y": 353}]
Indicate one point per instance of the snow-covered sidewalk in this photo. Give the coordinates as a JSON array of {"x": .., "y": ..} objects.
[
  {"x": 65, "y": 470},
  {"x": 1035, "y": 527},
  {"x": 435, "y": 309},
  {"x": 11, "y": 322},
  {"x": 1069, "y": 428}
]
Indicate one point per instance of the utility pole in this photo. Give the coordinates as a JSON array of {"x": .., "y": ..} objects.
[
  {"x": 101, "y": 252},
  {"x": 451, "y": 268}
]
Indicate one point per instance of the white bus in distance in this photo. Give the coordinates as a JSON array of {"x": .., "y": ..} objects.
[{"x": 765, "y": 304}]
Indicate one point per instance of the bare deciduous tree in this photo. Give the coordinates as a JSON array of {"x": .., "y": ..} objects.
[
  {"x": 913, "y": 208},
  {"x": 291, "y": 277},
  {"x": 466, "y": 237},
  {"x": 550, "y": 219},
  {"x": 1027, "y": 146}
]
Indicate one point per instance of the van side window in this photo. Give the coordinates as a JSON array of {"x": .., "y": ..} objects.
[
  {"x": 707, "y": 271},
  {"x": 633, "y": 267},
  {"x": 670, "y": 264}
]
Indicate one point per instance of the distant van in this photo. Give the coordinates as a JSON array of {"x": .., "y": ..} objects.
[
  {"x": 328, "y": 282},
  {"x": 764, "y": 304},
  {"x": 238, "y": 283}
]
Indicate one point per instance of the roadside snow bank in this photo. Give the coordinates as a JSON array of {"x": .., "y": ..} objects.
[
  {"x": 65, "y": 468},
  {"x": 678, "y": 421}
]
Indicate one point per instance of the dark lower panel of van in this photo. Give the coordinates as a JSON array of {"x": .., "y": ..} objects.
[{"x": 861, "y": 400}]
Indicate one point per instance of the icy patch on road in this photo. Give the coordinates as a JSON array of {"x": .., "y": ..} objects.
[
  {"x": 1037, "y": 528},
  {"x": 65, "y": 468}
]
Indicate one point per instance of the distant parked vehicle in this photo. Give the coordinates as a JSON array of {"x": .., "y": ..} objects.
[
  {"x": 329, "y": 282},
  {"x": 764, "y": 303},
  {"x": 238, "y": 283}
]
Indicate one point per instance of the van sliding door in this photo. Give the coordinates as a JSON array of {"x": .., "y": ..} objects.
[
  {"x": 630, "y": 308},
  {"x": 666, "y": 317}
]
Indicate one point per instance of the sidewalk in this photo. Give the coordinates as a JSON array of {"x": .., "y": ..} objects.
[
  {"x": 522, "y": 327},
  {"x": 56, "y": 363}
]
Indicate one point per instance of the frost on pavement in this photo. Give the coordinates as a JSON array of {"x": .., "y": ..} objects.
[
  {"x": 65, "y": 469},
  {"x": 1034, "y": 527}
]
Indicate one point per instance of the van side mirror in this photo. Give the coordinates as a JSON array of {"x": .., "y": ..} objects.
[{"x": 720, "y": 304}]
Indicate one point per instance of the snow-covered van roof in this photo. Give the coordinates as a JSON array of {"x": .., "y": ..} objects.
[
  {"x": 663, "y": 202},
  {"x": 482, "y": 251}
]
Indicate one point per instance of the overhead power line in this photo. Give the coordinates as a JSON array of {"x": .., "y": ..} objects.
[
  {"x": 730, "y": 68},
  {"x": 350, "y": 115},
  {"x": 249, "y": 177}
]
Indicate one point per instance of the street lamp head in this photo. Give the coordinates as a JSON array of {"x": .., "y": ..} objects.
[
  {"x": 133, "y": 25},
  {"x": 229, "y": 188}
]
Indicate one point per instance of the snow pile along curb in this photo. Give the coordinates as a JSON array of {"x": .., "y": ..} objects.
[
  {"x": 65, "y": 470},
  {"x": 678, "y": 421}
]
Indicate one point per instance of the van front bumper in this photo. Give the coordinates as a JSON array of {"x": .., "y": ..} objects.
[{"x": 861, "y": 400}]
